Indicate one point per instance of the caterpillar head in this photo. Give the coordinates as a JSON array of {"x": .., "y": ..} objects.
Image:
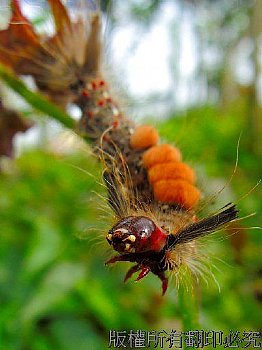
[{"x": 136, "y": 234}]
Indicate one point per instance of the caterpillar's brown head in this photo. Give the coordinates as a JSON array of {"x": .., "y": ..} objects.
[{"x": 136, "y": 234}]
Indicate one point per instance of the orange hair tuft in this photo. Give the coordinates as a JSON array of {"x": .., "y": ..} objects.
[
  {"x": 144, "y": 136},
  {"x": 171, "y": 170},
  {"x": 176, "y": 191},
  {"x": 161, "y": 154}
]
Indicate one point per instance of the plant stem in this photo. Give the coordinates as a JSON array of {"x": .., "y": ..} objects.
[{"x": 36, "y": 100}]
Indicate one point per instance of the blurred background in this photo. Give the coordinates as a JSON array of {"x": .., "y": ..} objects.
[{"x": 193, "y": 69}]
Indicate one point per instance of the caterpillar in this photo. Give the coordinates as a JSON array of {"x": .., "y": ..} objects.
[{"x": 152, "y": 192}]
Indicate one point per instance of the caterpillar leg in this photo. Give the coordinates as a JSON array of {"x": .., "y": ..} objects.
[
  {"x": 125, "y": 257},
  {"x": 114, "y": 259},
  {"x": 144, "y": 272},
  {"x": 164, "y": 281},
  {"x": 131, "y": 271}
]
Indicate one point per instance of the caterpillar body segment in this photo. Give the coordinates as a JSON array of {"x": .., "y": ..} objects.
[{"x": 151, "y": 191}]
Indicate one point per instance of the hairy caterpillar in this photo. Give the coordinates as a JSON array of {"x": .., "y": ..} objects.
[{"x": 150, "y": 189}]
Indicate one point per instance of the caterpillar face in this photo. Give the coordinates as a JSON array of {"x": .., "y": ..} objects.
[{"x": 136, "y": 234}]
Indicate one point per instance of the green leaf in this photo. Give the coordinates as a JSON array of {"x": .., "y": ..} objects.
[
  {"x": 59, "y": 281},
  {"x": 44, "y": 247},
  {"x": 72, "y": 334}
]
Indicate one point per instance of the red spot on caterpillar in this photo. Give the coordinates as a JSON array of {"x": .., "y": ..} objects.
[
  {"x": 161, "y": 154},
  {"x": 115, "y": 124},
  {"x": 101, "y": 103},
  {"x": 171, "y": 170},
  {"x": 109, "y": 100},
  {"x": 176, "y": 191},
  {"x": 94, "y": 85},
  {"x": 85, "y": 93},
  {"x": 195, "y": 219},
  {"x": 144, "y": 136},
  {"x": 90, "y": 114},
  {"x": 101, "y": 83}
]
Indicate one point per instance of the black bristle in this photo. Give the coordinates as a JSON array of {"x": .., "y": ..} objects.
[
  {"x": 114, "y": 199},
  {"x": 205, "y": 226}
]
